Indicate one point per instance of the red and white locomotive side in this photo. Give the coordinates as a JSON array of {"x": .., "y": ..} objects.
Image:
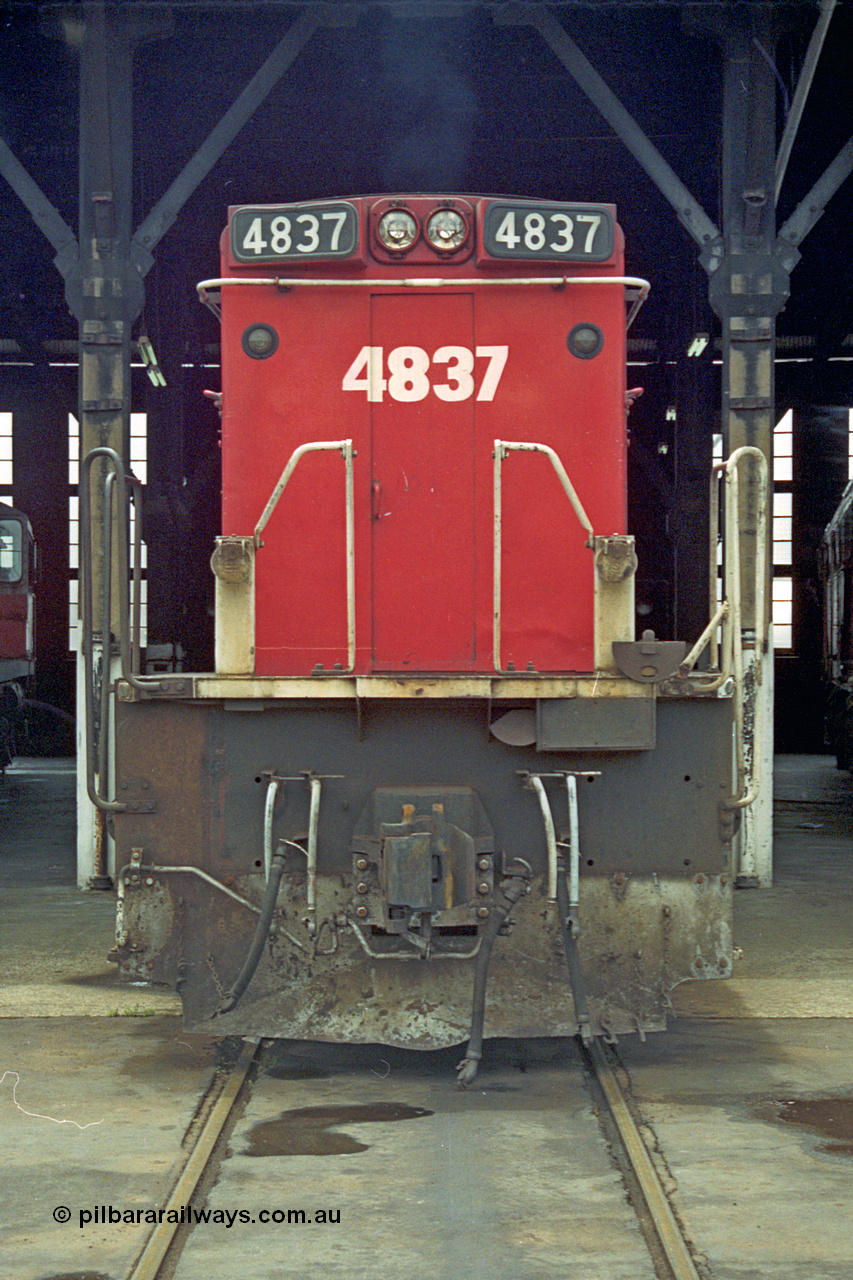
[
  {"x": 429, "y": 712},
  {"x": 17, "y": 621}
]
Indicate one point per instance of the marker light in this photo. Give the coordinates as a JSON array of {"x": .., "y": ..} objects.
[
  {"x": 260, "y": 341},
  {"x": 585, "y": 341},
  {"x": 397, "y": 229}
]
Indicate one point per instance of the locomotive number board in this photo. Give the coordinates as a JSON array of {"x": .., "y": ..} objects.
[
  {"x": 550, "y": 232},
  {"x": 304, "y": 231}
]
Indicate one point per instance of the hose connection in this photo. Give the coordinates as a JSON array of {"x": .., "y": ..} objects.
[{"x": 513, "y": 887}]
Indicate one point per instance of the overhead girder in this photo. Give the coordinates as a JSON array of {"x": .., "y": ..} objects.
[
  {"x": 162, "y": 216},
  {"x": 314, "y": 15},
  {"x": 801, "y": 93},
  {"x": 688, "y": 210}
]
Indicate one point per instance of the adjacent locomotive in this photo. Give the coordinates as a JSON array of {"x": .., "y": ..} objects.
[
  {"x": 434, "y": 763},
  {"x": 836, "y": 576},
  {"x": 17, "y": 622}
]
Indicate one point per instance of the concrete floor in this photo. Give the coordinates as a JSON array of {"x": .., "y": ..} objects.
[
  {"x": 510, "y": 1179},
  {"x": 750, "y": 1096},
  {"x": 54, "y": 937},
  {"x": 93, "y": 1112},
  {"x": 755, "y": 1122}
]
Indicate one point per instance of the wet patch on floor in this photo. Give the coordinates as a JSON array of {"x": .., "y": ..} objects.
[
  {"x": 308, "y": 1131},
  {"x": 105, "y": 979},
  {"x": 831, "y": 1118},
  {"x": 77, "y": 1275}
]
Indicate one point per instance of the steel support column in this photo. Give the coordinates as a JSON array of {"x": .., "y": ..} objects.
[
  {"x": 748, "y": 288},
  {"x": 104, "y": 287},
  {"x": 747, "y": 291},
  {"x": 105, "y": 293}
]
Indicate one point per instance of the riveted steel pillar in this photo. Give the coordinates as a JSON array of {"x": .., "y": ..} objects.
[
  {"x": 747, "y": 291},
  {"x": 105, "y": 292}
]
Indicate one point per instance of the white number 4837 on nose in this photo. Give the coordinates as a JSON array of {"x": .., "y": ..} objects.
[{"x": 412, "y": 374}]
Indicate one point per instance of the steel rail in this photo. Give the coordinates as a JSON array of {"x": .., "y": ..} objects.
[
  {"x": 159, "y": 1242},
  {"x": 660, "y": 1214},
  {"x": 662, "y": 1217}
]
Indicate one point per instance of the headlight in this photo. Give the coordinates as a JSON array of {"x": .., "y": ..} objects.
[
  {"x": 397, "y": 229},
  {"x": 446, "y": 229}
]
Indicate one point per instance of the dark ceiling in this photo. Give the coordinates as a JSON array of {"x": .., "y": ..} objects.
[{"x": 427, "y": 96}]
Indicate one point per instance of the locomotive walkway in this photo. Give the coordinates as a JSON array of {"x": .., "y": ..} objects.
[{"x": 747, "y": 1102}]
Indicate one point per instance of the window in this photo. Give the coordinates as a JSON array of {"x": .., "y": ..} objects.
[
  {"x": 6, "y": 476},
  {"x": 783, "y": 511},
  {"x": 11, "y": 550}
]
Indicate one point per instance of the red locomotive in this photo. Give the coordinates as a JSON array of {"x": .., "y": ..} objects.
[
  {"x": 433, "y": 751},
  {"x": 17, "y": 622},
  {"x": 424, "y": 381}
]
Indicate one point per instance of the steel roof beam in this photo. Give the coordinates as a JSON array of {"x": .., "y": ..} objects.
[
  {"x": 801, "y": 92},
  {"x": 811, "y": 208},
  {"x": 47, "y": 218},
  {"x": 151, "y": 231},
  {"x": 690, "y": 213}
]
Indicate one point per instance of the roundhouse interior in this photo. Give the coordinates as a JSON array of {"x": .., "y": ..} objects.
[
  {"x": 364, "y": 98},
  {"x": 721, "y": 135}
]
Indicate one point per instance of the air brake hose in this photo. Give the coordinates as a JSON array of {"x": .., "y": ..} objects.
[
  {"x": 568, "y": 928},
  {"x": 262, "y": 929},
  {"x": 515, "y": 886}
]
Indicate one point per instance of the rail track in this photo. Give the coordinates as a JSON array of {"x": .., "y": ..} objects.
[
  {"x": 663, "y": 1235},
  {"x": 669, "y": 1253},
  {"x": 164, "y": 1243}
]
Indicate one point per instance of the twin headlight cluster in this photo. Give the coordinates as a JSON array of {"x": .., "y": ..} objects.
[{"x": 445, "y": 229}]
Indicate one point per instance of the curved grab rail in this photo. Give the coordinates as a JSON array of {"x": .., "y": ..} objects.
[
  {"x": 729, "y": 613},
  {"x": 116, "y": 484},
  {"x": 116, "y": 477},
  {"x": 502, "y": 448},
  {"x": 344, "y": 447}
]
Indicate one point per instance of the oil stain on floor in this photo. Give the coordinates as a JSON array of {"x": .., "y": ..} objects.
[
  {"x": 832, "y": 1118},
  {"x": 309, "y": 1131}
]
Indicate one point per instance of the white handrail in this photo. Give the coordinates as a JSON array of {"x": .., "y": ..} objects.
[
  {"x": 502, "y": 448},
  {"x": 348, "y": 453},
  {"x": 418, "y": 282},
  {"x": 550, "y": 834},
  {"x": 637, "y": 283}
]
